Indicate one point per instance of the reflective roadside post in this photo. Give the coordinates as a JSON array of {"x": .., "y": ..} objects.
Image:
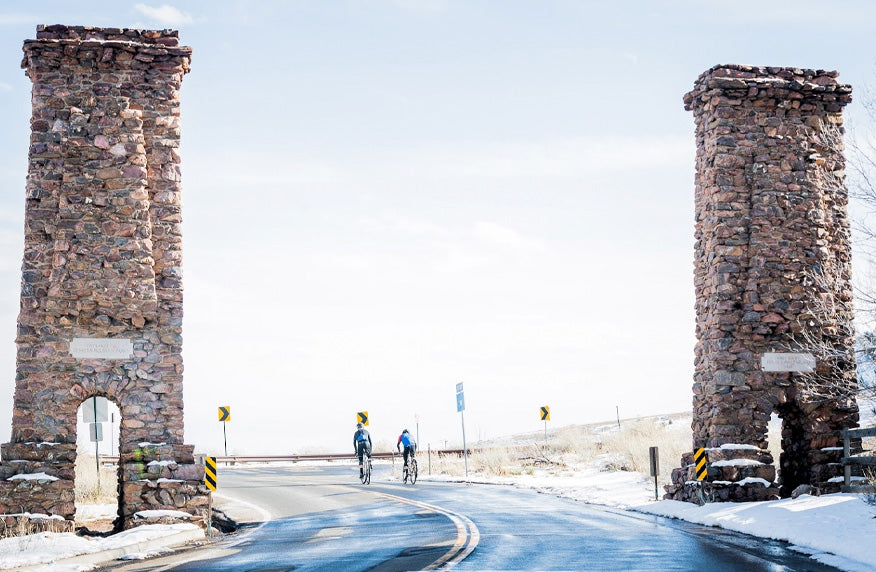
[
  {"x": 460, "y": 406},
  {"x": 210, "y": 480},
  {"x": 654, "y": 457}
]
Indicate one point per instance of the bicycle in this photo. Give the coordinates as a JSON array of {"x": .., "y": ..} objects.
[
  {"x": 410, "y": 474},
  {"x": 366, "y": 470}
]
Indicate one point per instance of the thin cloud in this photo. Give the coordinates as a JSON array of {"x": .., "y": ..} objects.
[
  {"x": 557, "y": 158},
  {"x": 165, "y": 14},
  {"x": 14, "y": 19},
  {"x": 422, "y": 6},
  {"x": 564, "y": 158},
  {"x": 504, "y": 237}
]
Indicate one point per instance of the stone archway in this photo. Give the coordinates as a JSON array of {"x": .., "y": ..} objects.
[
  {"x": 97, "y": 471},
  {"x": 101, "y": 296},
  {"x": 772, "y": 243}
]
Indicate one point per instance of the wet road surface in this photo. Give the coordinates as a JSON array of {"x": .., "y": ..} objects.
[{"x": 322, "y": 519}]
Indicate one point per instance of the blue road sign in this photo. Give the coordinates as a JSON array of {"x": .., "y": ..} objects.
[{"x": 460, "y": 402}]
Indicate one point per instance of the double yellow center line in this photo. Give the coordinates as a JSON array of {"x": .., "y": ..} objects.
[{"x": 467, "y": 534}]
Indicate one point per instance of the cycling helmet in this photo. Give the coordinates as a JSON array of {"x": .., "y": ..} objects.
[
  {"x": 405, "y": 431},
  {"x": 359, "y": 426}
]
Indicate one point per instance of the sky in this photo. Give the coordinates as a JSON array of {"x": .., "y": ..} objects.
[{"x": 385, "y": 198}]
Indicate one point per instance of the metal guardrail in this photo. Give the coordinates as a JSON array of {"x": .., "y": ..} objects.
[
  {"x": 234, "y": 459},
  {"x": 848, "y": 460}
]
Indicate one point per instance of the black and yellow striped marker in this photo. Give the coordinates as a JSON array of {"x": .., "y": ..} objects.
[
  {"x": 210, "y": 472},
  {"x": 545, "y": 413},
  {"x": 700, "y": 463}
]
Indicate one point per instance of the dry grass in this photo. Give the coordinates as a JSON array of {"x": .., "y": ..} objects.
[
  {"x": 94, "y": 488},
  {"x": 609, "y": 447},
  {"x": 630, "y": 444}
]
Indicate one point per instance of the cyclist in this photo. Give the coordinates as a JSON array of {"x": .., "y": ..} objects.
[
  {"x": 409, "y": 444},
  {"x": 361, "y": 444}
]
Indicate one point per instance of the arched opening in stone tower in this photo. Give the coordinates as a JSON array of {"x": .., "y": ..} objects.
[
  {"x": 792, "y": 463},
  {"x": 774, "y": 441},
  {"x": 98, "y": 422}
]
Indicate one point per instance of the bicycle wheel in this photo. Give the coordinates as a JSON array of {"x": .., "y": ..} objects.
[
  {"x": 413, "y": 472},
  {"x": 364, "y": 471},
  {"x": 367, "y": 479}
]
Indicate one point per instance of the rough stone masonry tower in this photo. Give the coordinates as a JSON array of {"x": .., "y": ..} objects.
[
  {"x": 772, "y": 275},
  {"x": 101, "y": 293}
]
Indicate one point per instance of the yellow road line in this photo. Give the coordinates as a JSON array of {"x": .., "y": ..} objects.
[{"x": 467, "y": 534}]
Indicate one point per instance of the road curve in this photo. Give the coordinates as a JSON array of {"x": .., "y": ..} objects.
[
  {"x": 322, "y": 519},
  {"x": 305, "y": 519},
  {"x": 467, "y": 534}
]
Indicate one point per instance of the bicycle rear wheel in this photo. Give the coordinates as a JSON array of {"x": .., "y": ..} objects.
[
  {"x": 412, "y": 474},
  {"x": 367, "y": 480}
]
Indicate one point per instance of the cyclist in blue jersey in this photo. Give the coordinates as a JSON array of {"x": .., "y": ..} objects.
[
  {"x": 361, "y": 444},
  {"x": 409, "y": 444}
]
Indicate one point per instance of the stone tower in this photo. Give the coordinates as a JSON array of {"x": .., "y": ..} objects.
[
  {"x": 772, "y": 275},
  {"x": 101, "y": 292}
]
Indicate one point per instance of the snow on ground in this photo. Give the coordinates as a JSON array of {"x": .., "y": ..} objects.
[
  {"x": 835, "y": 529},
  {"x": 47, "y": 548}
]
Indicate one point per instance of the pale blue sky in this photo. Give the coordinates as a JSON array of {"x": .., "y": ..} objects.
[{"x": 384, "y": 198}]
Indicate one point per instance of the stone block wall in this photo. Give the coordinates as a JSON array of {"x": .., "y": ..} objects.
[
  {"x": 102, "y": 260},
  {"x": 772, "y": 254}
]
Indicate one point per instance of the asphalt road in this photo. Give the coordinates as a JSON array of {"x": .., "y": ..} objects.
[{"x": 321, "y": 518}]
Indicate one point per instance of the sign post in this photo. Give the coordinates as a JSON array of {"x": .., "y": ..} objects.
[
  {"x": 224, "y": 417},
  {"x": 545, "y": 415},
  {"x": 94, "y": 412},
  {"x": 210, "y": 481},
  {"x": 653, "y": 455},
  {"x": 460, "y": 406}
]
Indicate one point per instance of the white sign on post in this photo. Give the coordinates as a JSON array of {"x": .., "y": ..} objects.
[
  {"x": 95, "y": 431},
  {"x": 787, "y": 362},
  {"x": 95, "y": 410}
]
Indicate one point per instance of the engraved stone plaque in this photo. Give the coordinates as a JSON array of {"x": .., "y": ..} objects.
[
  {"x": 803, "y": 362},
  {"x": 101, "y": 348}
]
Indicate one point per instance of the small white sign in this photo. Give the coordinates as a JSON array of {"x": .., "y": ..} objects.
[
  {"x": 782, "y": 362},
  {"x": 95, "y": 432},
  {"x": 101, "y": 348},
  {"x": 95, "y": 410}
]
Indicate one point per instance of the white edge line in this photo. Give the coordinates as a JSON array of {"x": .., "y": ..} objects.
[{"x": 266, "y": 516}]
